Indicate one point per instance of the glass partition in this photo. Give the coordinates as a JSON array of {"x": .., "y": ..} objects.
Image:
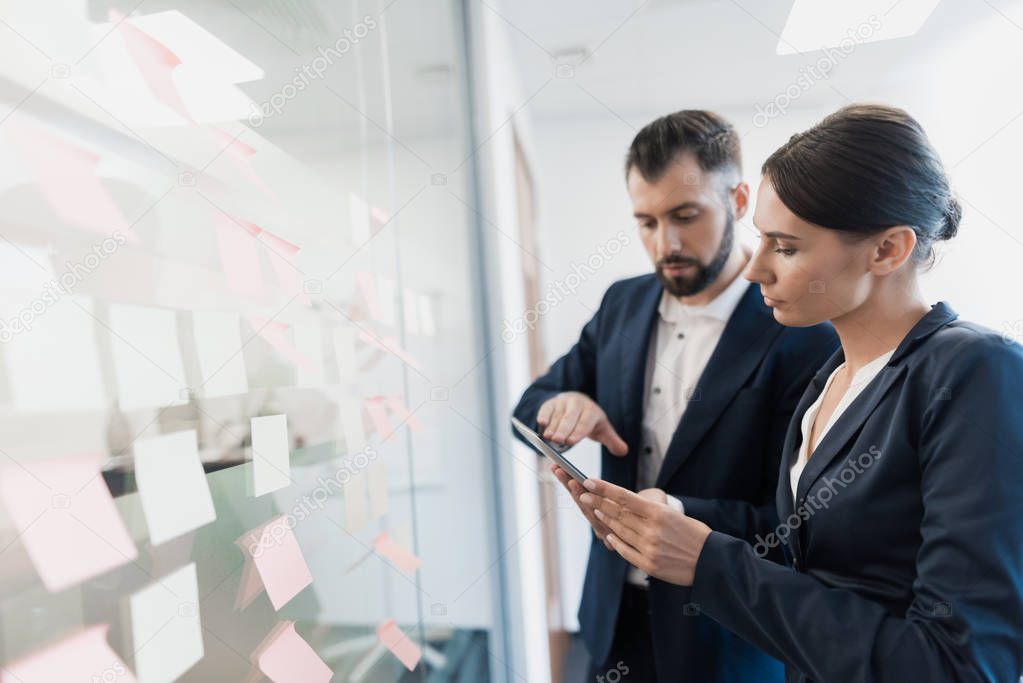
[{"x": 242, "y": 410}]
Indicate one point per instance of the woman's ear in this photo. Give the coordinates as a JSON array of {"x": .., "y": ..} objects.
[{"x": 892, "y": 248}]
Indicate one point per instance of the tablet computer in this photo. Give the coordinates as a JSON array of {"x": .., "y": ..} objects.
[{"x": 551, "y": 450}]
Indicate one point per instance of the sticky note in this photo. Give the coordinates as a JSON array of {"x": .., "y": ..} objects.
[
  {"x": 385, "y": 546},
  {"x": 65, "y": 174},
  {"x": 350, "y": 410},
  {"x": 250, "y": 586},
  {"x": 241, "y": 155},
  {"x": 379, "y": 500},
  {"x": 155, "y": 61},
  {"x": 356, "y": 508},
  {"x": 239, "y": 254},
  {"x": 285, "y": 657},
  {"x": 410, "y": 309},
  {"x": 378, "y": 415},
  {"x": 278, "y": 559},
  {"x": 284, "y": 260},
  {"x": 271, "y": 455},
  {"x": 387, "y": 292},
  {"x": 172, "y": 485},
  {"x": 390, "y": 345},
  {"x": 395, "y": 640},
  {"x": 275, "y": 334},
  {"x": 166, "y": 628},
  {"x": 147, "y": 357},
  {"x": 66, "y": 519},
  {"x": 397, "y": 405},
  {"x": 79, "y": 658},
  {"x": 309, "y": 343},
  {"x": 58, "y": 351},
  {"x": 366, "y": 289},
  {"x": 218, "y": 344}
]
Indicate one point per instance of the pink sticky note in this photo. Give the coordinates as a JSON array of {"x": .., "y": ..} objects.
[
  {"x": 249, "y": 587},
  {"x": 80, "y": 658},
  {"x": 285, "y": 657},
  {"x": 66, "y": 176},
  {"x": 278, "y": 559},
  {"x": 398, "y": 407},
  {"x": 367, "y": 290},
  {"x": 387, "y": 547},
  {"x": 395, "y": 640},
  {"x": 67, "y": 520},
  {"x": 240, "y": 155},
  {"x": 378, "y": 219},
  {"x": 276, "y": 335},
  {"x": 155, "y": 61},
  {"x": 390, "y": 345},
  {"x": 284, "y": 260},
  {"x": 378, "y": 414},
  {"x": 239, "y": 254}
]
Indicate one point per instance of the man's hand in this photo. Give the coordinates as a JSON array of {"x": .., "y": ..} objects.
[{"x": 572, "y": 416}]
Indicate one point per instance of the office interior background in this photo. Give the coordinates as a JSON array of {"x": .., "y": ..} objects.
[{"x": 278, "y": 270}]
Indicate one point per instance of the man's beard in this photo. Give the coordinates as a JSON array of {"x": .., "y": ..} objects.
[{"x": 689, "y": 285}]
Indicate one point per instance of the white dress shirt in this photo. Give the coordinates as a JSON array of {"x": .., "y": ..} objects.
[
  {"x": 685, "y": 338},
  {"x": 859, "y": 382}
]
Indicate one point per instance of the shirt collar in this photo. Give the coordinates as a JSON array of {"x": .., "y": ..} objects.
[{"x": 720, "y": 308}]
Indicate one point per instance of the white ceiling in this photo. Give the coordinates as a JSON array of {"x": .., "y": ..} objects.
[{"x": 663, "y": 55}]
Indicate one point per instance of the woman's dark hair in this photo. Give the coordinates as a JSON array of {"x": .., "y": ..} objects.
[{"x": 864, "y": 169}]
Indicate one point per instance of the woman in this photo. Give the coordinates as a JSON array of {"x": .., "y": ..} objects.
[{"x": 901, "y": 490}]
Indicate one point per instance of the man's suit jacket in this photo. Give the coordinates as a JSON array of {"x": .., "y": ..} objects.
[
  {"x": 722, "y": 461},
  {"x": 907, "y": 533}
]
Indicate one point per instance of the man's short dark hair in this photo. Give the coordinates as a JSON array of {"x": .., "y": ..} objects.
[{"x": 708, "y": 137}]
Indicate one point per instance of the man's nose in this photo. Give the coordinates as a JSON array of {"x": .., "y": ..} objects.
[{"x": 669, "y": 239}]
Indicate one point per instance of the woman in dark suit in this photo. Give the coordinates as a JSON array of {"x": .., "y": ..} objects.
[{"x": 901, "y": 490}]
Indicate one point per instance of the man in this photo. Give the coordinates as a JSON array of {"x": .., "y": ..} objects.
[{"x": 688, "y": 382}]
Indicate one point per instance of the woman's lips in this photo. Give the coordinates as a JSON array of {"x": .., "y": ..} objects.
[{"x": 773, "y": 303}]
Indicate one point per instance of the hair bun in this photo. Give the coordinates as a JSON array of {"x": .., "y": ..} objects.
[{"x": 953, "y": 215}]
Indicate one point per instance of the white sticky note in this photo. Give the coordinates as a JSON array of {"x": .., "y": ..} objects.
[
  {"x": 53, "y": 366},
  {"x": 309, "y": 342},
  {"x": 426, "y": 323},
  {"x": 344, "y": 350},
  {"x": 218, "y": 343},
  {"x": 147, "y": 358},
  {"x": 356, "y": 509},
  {"x": 271, "y": 457},
  {"x": 167, "y": 633},
  {"x": 25, "y": 267},
  {"x": 379, "y": 500},
  {"x": 172, "y": 485},
  {"x": 351, "y": 423}
]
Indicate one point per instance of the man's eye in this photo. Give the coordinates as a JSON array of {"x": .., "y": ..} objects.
[
  {"x": 685, "y": 219},
  {"x": 785, "y": 251}
]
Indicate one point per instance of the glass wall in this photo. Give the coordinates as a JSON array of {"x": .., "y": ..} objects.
[{"x": 242, "y": 395}]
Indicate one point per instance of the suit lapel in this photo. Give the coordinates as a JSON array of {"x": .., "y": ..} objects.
[
  {"x": 793, "y": 439},
  {"x": 634, "y": 342},
  {"x": 748, "y": 334}
]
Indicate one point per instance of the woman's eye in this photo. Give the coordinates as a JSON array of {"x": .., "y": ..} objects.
[{"x": 785, "y": 251}]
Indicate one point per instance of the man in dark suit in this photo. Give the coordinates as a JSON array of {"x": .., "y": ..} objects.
[{"x": 688, "y": 382}]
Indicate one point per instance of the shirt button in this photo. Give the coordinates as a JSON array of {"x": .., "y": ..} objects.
[
  {"x": 681, "y": 335},
  {"x": 648, "y": 450},
  {"x": 657, "y": 390}
]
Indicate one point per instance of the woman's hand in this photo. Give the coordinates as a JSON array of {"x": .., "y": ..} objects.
[{"x": 650, "y": 535}]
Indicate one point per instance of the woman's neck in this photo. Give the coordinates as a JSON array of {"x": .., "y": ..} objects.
[{"x": 880, "y": 323}]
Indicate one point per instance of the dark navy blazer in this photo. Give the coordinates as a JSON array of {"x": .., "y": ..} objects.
[
  {"x": 722, "y": 460},
  {"x": 907, "y": 534}
]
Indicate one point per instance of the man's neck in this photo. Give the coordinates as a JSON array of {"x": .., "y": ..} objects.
[{"x": 736, "y": 263}]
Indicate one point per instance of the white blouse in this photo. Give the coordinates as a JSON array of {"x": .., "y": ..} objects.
[{"x": 858, "y": 384}]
